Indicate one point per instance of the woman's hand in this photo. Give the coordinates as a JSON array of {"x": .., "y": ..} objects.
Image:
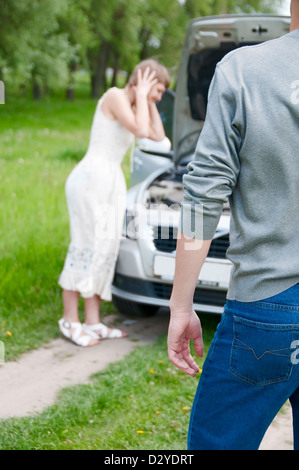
[
  {"x": 140, "y": 120},
  {"x": 145, "y": 81}
]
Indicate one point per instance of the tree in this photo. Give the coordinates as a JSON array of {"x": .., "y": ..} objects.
[
  {"x": 125, "y": 45},
  {"x": 163, "y": 30},
  {"x": 195, "y": 9},
  {"x": 48, "y": 49},
  {"x": 13, "y": 20},
  {"x": 74, "y": 23},
  {"x": 31, "y": 44},
  {"x": 45, "y": 42},
  {"x": 216, "y": 7},
  {"x": 115, "y": 26},
  {"x": 100, "y": 19}
]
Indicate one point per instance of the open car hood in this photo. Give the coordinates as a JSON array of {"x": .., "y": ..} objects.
[{"x": 207, "y": 41}]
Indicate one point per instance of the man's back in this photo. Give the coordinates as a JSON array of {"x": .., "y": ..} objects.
[{"x": 249, "y": 152}]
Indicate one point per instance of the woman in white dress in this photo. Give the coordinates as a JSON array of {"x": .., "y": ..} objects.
[{"x": 96, "y": 196}]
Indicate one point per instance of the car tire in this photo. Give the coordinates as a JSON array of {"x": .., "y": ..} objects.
[{"x": 127, "y": 307}]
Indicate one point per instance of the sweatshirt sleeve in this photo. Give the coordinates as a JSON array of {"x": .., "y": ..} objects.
[{"x": 213, "y": 174}]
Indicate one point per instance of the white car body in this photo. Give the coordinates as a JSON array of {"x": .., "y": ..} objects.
[{"x": 145, "y": 267}]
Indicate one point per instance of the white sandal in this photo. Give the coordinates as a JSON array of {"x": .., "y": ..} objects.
[
  {"x": 104, "y": 332},
  {"x": 76, "y": 337}
]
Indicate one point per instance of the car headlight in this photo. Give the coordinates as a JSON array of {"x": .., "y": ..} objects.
[
  {"x": 129, "y": 228},
  {"x": 136, "y": 223}
]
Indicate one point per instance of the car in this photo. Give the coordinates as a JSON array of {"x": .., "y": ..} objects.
[{"x": 145, "y": 267}]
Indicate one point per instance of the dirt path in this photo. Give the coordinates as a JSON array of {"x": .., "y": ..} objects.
[
  {"x": 33, "y": 381},
  {"x": 280, "y": 434}
]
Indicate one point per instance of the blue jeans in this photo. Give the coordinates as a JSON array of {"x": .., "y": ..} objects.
[{"x": 251, "y": 370}]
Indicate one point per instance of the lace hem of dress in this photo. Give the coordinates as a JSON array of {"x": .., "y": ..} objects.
[
  {"x": 88, "y": 273},
  {"x": 85, "y": 287},
  {"x": 79, "y": 260}
]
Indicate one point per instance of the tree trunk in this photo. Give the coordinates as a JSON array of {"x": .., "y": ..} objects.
[
  {"x": 36, "y": 90},
  {"x": 98, "y": 74},
  {"x": 70, "y": 92},
  {"x": 115, "y": 72},
  {"x": 144, "y": 38}
]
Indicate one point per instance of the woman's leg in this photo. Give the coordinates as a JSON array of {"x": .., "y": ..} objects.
[
  {"x": 71, "y": 314},
  {"x": 92, "y": 318},
  {"x": 70, "y": 305},
  {"x": 92, "y": 310}
]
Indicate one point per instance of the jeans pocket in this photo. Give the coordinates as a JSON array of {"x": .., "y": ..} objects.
[{"x": 261, "y": 352}]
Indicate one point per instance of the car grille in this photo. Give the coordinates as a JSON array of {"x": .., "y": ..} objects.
[
  {"x": 161, "y": 290},
  {"x": 201, "y": 296},
  {"x": 218, "y": 247},
  {"x": 165, "y": 240}
]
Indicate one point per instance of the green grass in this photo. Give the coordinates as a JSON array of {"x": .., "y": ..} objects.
[
  {"x": 40, "y": 144},
  {"x": 140, "y": 403}
]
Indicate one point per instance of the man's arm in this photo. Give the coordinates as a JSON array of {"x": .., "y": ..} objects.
[
  {"x": 209, "y": 182},
  {"x": 184, "y": 323}
]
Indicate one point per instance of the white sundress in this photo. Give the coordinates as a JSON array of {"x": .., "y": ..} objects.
[{"x": 96, "y": 198}]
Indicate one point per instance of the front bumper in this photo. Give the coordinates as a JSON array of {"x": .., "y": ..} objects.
[{"x": 131, "y": 283}]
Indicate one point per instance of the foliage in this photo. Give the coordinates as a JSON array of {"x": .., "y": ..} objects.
[
  {"x": 43, "y": 43},
  {"x": 31, "y": 44},
  {"x": 41, "y": 142},
  {"x": 139, "y": 403}
]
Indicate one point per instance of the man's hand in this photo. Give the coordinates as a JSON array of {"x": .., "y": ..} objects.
[
  {"x": 183, "y": 327},
  {"x": 184, "y": 323}
]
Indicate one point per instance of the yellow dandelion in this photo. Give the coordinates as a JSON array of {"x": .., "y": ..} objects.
[
  {"x": 140, "y": 432},
  {"x": 200, "y": 371},
  {"x": 186, "y": 408},
  {"x": 151, "y": 371},
  {"x": 157, "y": 412},
  {"x": 8, "y": 333}
]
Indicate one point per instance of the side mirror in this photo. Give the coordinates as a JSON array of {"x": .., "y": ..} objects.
[{"x": 162, "y": 148}]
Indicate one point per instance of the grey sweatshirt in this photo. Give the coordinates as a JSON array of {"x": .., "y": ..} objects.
[{"x": 248, "y": 153}]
